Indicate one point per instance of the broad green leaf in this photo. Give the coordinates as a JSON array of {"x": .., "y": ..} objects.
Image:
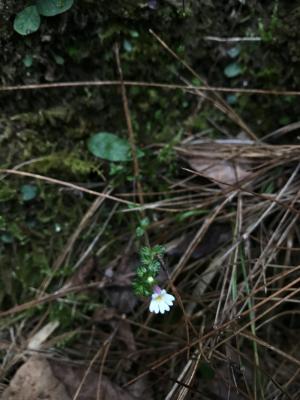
[
  {"x": 28, "y": 192},
  {"x": 232, "y": 70},
  {"x": 110, "y": 147},
  {"x": 27, "y": 21},
  {"x": 49, "y": 8}
]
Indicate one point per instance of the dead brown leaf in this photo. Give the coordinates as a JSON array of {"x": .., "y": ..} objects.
[
  {"x": 222, "y": 172},
  {"x": 35, "y": 380},
  {"x": 215, "y": 237},
  {"x": 72, "y": 378},
  {"x": 40, "y": 378}
]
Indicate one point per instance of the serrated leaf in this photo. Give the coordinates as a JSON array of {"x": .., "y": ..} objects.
[
  {"x": 27, "y": 21},
  {"x": 232, "y": 70},
  {"x": 110, "y": 147},
  {"x": 49, "y": 8},
  {"x": 28, "y": 192}
]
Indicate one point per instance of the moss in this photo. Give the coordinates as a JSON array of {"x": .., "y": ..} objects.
[{"x": 66, "y": 163}]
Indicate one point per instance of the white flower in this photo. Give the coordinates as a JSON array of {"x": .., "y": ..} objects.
[{"x": 161, "y": 301}]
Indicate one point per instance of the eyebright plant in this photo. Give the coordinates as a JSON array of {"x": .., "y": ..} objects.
[
  {"x": 148, "y": 270},
  {"x": 161, "y": 301},
  {"x": 145, "y": 283}
]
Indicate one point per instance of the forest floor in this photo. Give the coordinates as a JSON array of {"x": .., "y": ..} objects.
[{"x": 150, "y": 143}]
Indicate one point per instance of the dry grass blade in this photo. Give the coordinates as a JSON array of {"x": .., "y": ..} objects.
[{"x": 179, "y": 392}]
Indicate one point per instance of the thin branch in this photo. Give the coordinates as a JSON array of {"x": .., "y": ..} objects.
[
  {"x": 233, "y": 39},
  {"x": 159, "y": 85}
]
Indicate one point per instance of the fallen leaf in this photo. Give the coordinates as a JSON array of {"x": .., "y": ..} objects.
[
  {"x": 224, "y": 173},
  {"x": 215, "y": 237},
  {"x": 40, "y": 378},
  {"x": 35, "y": 380},
  {"x": 141, "y": 389},
  {"x": 72, "y": 378}
]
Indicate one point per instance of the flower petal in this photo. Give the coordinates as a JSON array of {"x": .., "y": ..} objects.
[
  {"x": 154, "y": 307},
  {"x": 163, "y": 307},
  {"x": 151, "y": 306},
  {"x": 169, "y": 299}
]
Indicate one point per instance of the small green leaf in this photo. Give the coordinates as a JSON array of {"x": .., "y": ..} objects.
[
  {"x": 232, "y": 70},
  {"x": 6, "y": 192},
  {"x": 145, "y": 222},
  {"x": 110, "y": 147},
  {"x": 234, "y": 52},
  {"x": 127, "y": 46},
  {"x": 231, "y": 99},
  {"x": 116, "y": 169},
  {"x": 59, "y": 60},
  {"x": 28, "y": 192},
  {"x": 134, "y": 34},
  {"x": 7, "y": 238},
  {"x": 191, "y": 213},
  {"x": 27, "y": 61},
  {"x": 158, "y": 250},
  {"x": 27, "y": 21},
  {"x": 49, "y": 8},
  {"x": 139, "y": 232}
]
